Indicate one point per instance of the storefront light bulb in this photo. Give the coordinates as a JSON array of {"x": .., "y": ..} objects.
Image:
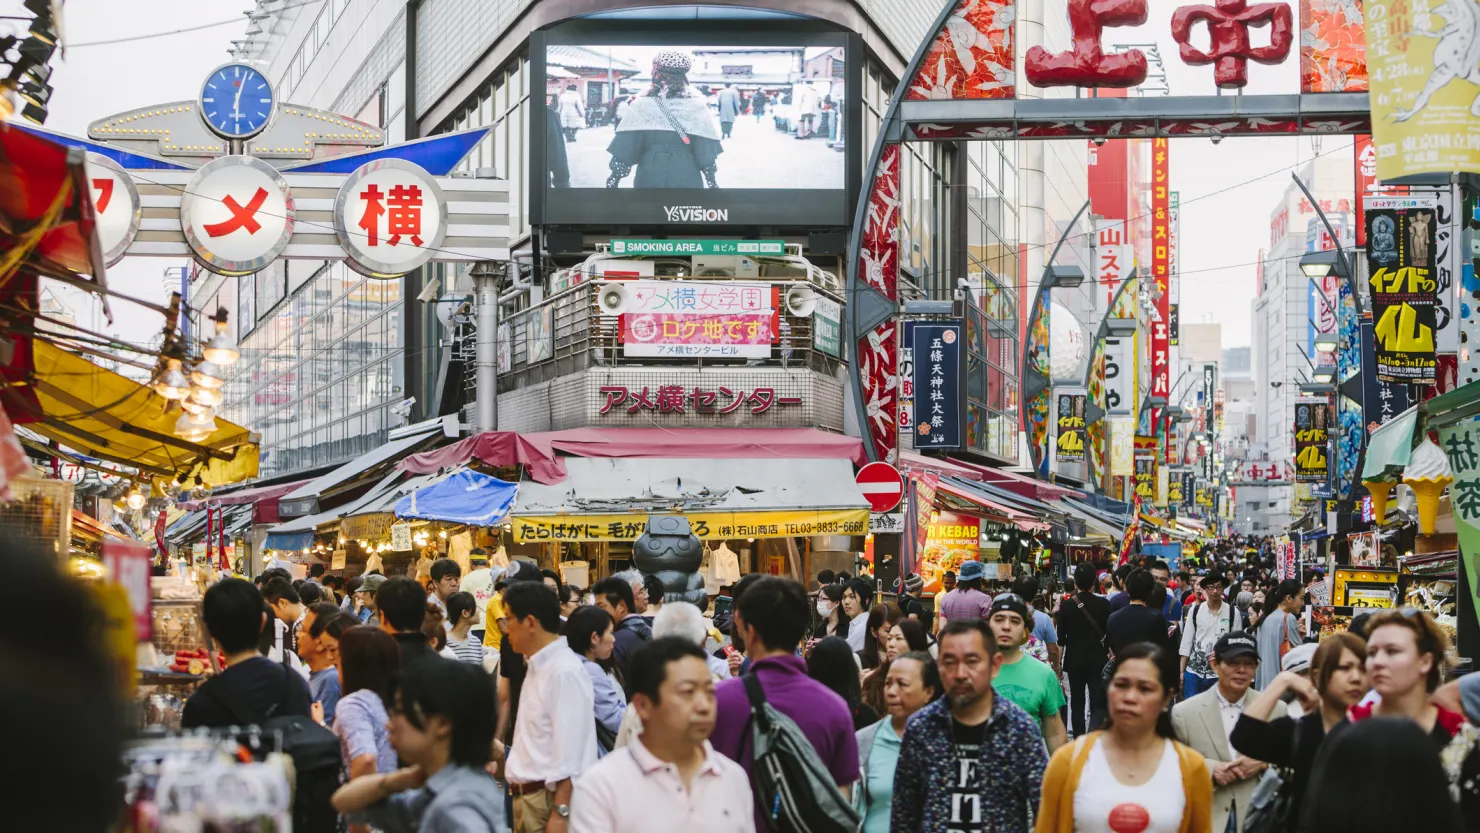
[
  {"x": 194, "y": 428},
  {"x": 190, "y": 406},
  {"x": 209, "y": 397},
  {"x": 136, "y": 500},
  {"x": 442, "y": 534},
  {"x": 208, "y": 374},
  {"x": 219, "y": 350},
  {"x": 172, "y": 384}
]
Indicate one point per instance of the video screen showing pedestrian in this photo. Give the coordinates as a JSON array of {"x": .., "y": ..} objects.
[
  {"x": 251, "y": 686},
  {"x": 1334, "y": 680},
  {"x": 1132, "y": 774},
  {"x": 1001, "y": 790},
  {"x": 911, "y": 682},
  {"x": 669, "y": 778},
  {"x": 441, "y": 725},
  {"x": 1206, "y": 721}
]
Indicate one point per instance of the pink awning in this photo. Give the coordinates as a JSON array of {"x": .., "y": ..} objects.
[
  {"x": 265, "y": 499},
  {"x": 910, "y": 461},
  {"x": 1022, "y": 520},
  {"x": 493, "y": 448},
  {"x": 718, "y": 443},
  {"x": 1019, "y": 483}
]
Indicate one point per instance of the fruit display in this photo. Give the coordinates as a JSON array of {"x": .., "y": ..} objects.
[{"x": 196, "y": 662}]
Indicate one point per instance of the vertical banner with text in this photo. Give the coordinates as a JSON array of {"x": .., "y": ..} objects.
[
  {"x": 1070, "y": 419},
  {"x": 1160, "y": 265},
  {"x": 1461, "y": 442},
  {"x": 1401, "y": 254},
  {"x": 937, "y": 355},
  {"x": 1312, "y": 435}
]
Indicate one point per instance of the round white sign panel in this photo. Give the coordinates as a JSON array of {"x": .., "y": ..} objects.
[
  {"x": 390, "y": 217},
  {"x": 237, "y": 213},
  {"x": 116, "y": 206}
]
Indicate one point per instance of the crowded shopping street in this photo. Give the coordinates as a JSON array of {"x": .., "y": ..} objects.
[{"x": 849, "y": 416}]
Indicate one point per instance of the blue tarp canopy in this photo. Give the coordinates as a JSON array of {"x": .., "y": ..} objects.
[{"x": 464, "y": 497}]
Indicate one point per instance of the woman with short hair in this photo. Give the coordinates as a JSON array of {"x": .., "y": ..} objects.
[
  {"x": 911, "y": 682},
  {"x": 369, "y": 661}
]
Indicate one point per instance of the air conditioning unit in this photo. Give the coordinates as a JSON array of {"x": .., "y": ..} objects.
[{"x": 725, "y": 266}]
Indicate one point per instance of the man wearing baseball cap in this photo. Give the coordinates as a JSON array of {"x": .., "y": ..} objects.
[
  {"x": 967, "y": 601},
  {"x": 909, "y": 600},
  {"x": 1029, "y": 683},
  {"x": 1205, "y": 723}
]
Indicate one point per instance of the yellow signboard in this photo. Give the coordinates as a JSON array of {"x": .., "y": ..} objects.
[
  {"x": 629, "y": 526},
  {"x": 1420, "y": 59}
]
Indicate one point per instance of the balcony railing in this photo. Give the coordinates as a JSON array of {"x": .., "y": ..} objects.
[{"x": 567, "y": 333}]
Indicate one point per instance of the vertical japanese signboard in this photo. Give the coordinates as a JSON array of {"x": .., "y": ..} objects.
[
  {"x": 1070, "y": 415},
  {"x": 1461, "y": 443},
  {"x": 1160, "y": 263},
  {"x": 127, "y": 564},
  {"x": 1120, "y": 392},
  {"x": 937, "y": 382},
  {"x": 1419, "y": 57},
  {"x": 1114, "y": 257},
  {"x": 827, "y": 329},
  {"x": 1401, "y": 254},
  {"x": 1146, "y": 465},
  {"x": 1312, "y": 434}
]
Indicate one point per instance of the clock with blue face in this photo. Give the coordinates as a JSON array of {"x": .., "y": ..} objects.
[{"x": 236, "y": 101}]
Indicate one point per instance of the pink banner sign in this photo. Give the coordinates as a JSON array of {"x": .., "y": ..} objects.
[{"x": 667, "y": 335}]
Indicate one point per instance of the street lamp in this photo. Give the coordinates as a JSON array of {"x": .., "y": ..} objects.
[
  {"x": 1065, "y": 277},
  {"x": 1317, "y": 265},
  {"x": 1120, "y": 327},
  {"x": 1323, "y": 374},
  {"x": 1318, "y": 388},
  {"x": 1326, "y": 342}
]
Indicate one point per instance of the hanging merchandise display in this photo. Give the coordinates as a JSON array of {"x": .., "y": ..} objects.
[{"x": 1401, "y": 257}]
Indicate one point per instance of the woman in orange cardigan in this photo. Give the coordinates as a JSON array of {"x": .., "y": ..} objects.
[{"x": 1130, "y": 777}]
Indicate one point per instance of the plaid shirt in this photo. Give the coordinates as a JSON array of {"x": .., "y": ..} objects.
[{"x": 1009, "y": 773}]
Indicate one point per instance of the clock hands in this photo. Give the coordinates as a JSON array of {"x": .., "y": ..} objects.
[{"x": 236, "y": 104}]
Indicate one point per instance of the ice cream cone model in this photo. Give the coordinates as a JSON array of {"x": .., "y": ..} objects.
[
  {"x": 1427, "y": 473},
  {"x": 1379, "y": 489}
]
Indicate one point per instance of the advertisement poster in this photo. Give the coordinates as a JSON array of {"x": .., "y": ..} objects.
[
  {"x": 1070, "y": 415},
  {"x": 1285, "y": 561},
  {"x": 951, "y": 539},
  {"x": 1461, "y": 442},
  {"x": 1364, "y": 551},
  {"x": 1146, "y": 466},
  {"x": 827, "y": 327},
  {"x": 937, "y": 381},
  {"x": 1333, "y": 49},
  {"x": 127, "y": 564},
  {"x": 1401, "y": 258},
  {"x": 539, "y": 334},
  {"x": 1420, "y": 58},
  {"x": 1175, "y": 483},
  {"x": 1312, "y": 437},
  {"x": 666, "y": 319}
]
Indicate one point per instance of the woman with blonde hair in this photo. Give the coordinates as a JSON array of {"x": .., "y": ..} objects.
[{"x": 1132, "y": 774}]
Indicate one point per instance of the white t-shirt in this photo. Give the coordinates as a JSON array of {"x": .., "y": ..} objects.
[{"x": 1104, "y": 805}]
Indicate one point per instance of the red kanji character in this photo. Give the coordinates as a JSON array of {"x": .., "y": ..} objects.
[
  {"x": 1087, "y": 64},
  {"x": 614, "y": 396},
  {"x": 761, "y": 400},
  {"x": 405, "y": 214},
  {"x": 735, "y": 404},
  {"x": 641, "y": 400},
  {"x": 370, "y": 220},
  {"x": 1230, "y": 51},
  {"x": 703, "y": 401},
  {"x": 670, "y": 399}
]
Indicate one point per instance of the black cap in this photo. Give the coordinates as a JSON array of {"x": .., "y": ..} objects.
[
  {"x": 1012, "y": 603},
  {"x": 1235, "y": 644}
]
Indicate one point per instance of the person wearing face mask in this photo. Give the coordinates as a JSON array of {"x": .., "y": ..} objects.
[
  {"x": 1337, "y": 681},
  {"x": 1406, "y": 656},
  {"x": 831, "y": 621},
  {"x": 1133, "y": 774},
  {"x": 911, "y": 682}
]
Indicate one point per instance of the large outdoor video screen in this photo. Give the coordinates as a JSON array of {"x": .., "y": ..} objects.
[{"x": 687, "y": 134}]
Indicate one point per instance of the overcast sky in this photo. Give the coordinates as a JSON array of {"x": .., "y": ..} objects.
[{"x": 1221, "y": 232}]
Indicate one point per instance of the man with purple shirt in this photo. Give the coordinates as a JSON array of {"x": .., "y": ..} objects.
[
  {"x": 967, "y": 601},
  {"x": 772, "y": 616}
]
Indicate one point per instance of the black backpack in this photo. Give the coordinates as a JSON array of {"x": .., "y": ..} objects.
[
  {"x": 795, "y": 792},
  {"x": 314, "y": 750}
]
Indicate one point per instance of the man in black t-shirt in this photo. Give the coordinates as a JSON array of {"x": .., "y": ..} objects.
[
  {"x": 1136, "y": 622},
  {"x": 252, "y": 688}
]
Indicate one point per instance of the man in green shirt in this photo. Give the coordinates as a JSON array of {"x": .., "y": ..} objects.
[{"x": 1025, "y": 681}]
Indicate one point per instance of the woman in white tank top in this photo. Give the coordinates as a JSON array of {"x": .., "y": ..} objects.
[{"x": 1130, "y": 777}]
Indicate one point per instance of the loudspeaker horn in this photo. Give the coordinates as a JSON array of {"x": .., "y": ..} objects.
[
  {"x": 613, "y": 299},
  {"x": 801, "y": 301}
]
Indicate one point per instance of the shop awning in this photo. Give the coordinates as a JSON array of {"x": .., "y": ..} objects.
[
  {"x": 1093, "y": 523},
  {"x": 910, "y": 461},
  {"x": 1019, "y": 483},
  {"x": 1390, "y": 446},
  {"x": 47, "y": 209},
  {"x": 465, "y": 497},
  {"x": 106, "y": 415},
  {"x": 304, "y": 500},
  {"x": 991, "y": 504},
  {"x": 609, "y": 499}
]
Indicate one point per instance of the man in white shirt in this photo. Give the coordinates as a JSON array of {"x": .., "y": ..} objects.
[
  {"x": 555, "y": 731},
  {"x": 1206, "y": 722},
  {"x": 668, "y": 779},
  {"x": 1206, "y": 623}
]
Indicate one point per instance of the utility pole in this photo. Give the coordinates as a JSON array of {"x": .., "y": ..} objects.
[{"x": 486, "y": 276}]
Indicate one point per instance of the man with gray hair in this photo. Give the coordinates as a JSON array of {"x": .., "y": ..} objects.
[{"x": 687, "y": 621}]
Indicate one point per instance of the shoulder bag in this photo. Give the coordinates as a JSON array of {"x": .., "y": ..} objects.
[
  {"x": 684, "y": 136},
  {"x": 1273, "y": 800}
]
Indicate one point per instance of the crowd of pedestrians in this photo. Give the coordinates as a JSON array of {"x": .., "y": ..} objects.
[{"x": 620, "y": 711}]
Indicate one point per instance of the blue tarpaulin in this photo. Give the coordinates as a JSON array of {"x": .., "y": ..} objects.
[{"x": 464, "y": 497}]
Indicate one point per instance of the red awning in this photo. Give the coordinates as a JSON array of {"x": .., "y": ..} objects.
[
  {"x": 1020, "y": 483},
  {"x": 47, "y": 209},
  {"x": 265, "y": 499},
  {"x": 1022, "y": 520},
  {"x": 910, "y": 461},
  {"x": 537, "y": 452}
]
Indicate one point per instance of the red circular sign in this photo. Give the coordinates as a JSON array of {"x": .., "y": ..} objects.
[{"x": 881, "y": 485}]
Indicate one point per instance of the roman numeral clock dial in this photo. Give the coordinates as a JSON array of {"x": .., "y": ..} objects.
[{"x": 236, "y": 101}]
